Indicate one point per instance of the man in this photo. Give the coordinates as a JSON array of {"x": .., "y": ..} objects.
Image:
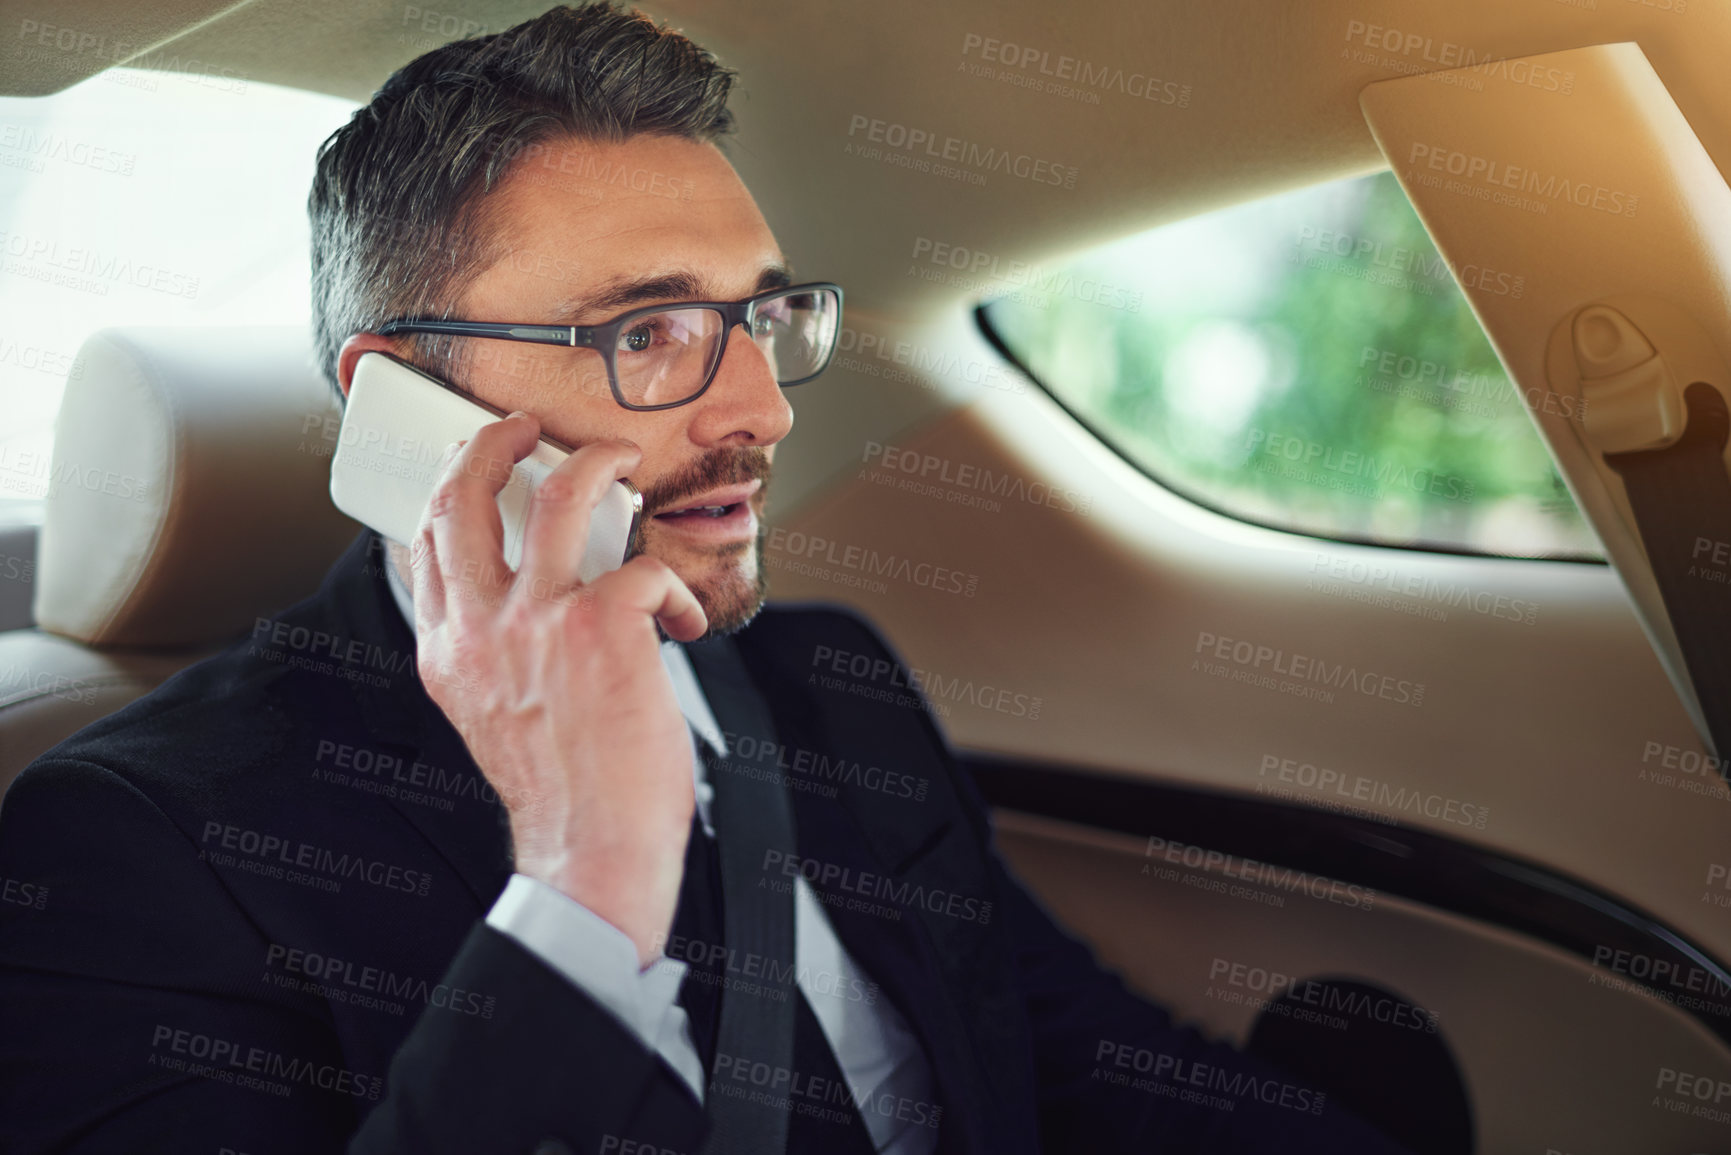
[{"x": 563, "y": 882}]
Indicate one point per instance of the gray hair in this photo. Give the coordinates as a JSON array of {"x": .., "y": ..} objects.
[{"x": 398, "y": 205}]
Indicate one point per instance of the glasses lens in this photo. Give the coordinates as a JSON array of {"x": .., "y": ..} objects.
[
  {"x": 663, "y": 358},
  {"x": 797, "y": 332}
]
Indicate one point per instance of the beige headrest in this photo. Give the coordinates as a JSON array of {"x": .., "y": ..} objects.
[{"x": 189, "y": 488}]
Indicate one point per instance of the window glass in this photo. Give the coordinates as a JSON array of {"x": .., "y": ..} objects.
[
  {"x": 142, "y": 198},
  {"x": 1305, "y": 362}
]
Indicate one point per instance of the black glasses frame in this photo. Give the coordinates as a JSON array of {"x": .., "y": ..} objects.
[{"x": 604, "y": 338}]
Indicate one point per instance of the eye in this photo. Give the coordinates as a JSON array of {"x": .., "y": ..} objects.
[
  {"x": 770, "y": 317},
  {"x": 639, "y": 337}
]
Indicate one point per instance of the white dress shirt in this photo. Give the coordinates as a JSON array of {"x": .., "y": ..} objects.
[{"x": 877, "y": 1053}]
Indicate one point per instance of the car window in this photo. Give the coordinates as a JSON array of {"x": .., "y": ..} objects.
[
  {"x": 142, "y": 198},
  {"x": 1306, "y": 362}
]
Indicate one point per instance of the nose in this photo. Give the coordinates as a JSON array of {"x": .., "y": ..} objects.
[{"x": 743, "y": 405}]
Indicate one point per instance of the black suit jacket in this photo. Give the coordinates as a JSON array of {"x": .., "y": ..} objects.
[{"x": 254, "y": 924}]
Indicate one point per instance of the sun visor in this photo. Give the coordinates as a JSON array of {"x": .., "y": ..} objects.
[{"x": 1591, "y": 234}]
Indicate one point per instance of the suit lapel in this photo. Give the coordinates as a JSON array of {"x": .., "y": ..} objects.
[{"x": 399, "y": 717}]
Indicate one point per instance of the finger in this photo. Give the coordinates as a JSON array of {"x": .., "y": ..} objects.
[
  {"x": 463, "y": 513},
  {"x": 562, "y": 507},
  {"x": 648, "y": 586},
  {"x": 426, "y": 583}
]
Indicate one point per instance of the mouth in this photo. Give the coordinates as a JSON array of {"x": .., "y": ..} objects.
[{"x": 716, "y": 515}]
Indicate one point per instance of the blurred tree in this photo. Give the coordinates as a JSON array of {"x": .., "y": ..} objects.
[{"x": 1307, "y": 362}]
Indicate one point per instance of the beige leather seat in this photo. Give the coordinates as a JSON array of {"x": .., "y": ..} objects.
[{"x": 188, "y": 495}]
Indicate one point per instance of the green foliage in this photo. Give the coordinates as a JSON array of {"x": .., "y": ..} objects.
[{"x": 1306, "y": 361}]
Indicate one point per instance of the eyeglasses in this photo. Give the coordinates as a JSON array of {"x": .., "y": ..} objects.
[{"x": 663, "y": 356}]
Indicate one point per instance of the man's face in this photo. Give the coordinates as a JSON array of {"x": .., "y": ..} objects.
[{"x": 581, "y": 245}]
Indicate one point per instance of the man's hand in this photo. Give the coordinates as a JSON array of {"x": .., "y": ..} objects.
[{"x": 556, "y": 687}]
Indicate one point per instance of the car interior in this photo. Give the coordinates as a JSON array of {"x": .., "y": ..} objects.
[{"x": 1252, "y": 425}]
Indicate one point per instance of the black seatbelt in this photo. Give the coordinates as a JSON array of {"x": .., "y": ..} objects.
[
  {"x": 1681, "y": 496},
  {"x": 752, "y": 816}
]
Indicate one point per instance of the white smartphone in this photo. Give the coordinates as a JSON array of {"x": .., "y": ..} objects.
[{"x": 396, "y": 426}]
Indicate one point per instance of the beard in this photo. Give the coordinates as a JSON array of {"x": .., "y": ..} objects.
[
  {"x": 732, "y": 597},
  {"x": 732, "y": 585}
]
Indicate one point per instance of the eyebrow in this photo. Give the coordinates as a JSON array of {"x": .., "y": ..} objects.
[{"x": 680, "y": 285}]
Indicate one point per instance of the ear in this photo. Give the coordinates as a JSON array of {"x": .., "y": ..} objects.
[{"x": 351, "y": 352}]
